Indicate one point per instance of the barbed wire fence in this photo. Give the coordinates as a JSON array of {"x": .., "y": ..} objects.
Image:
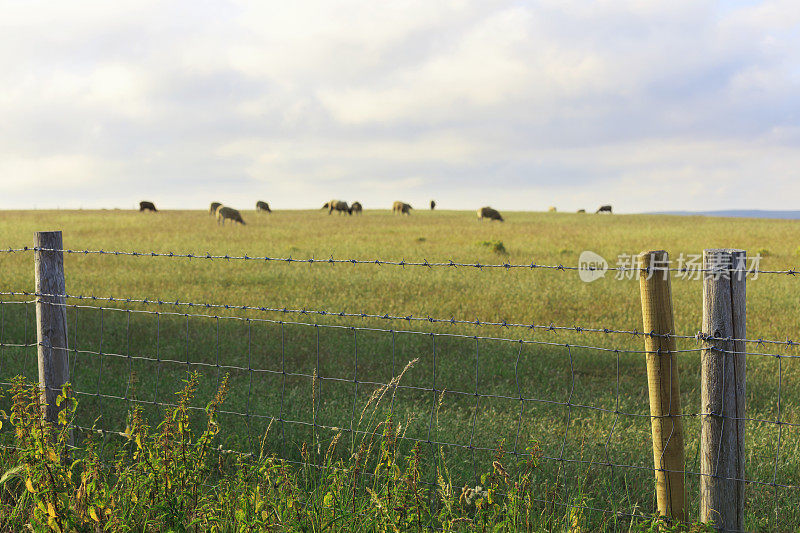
[{"x": 467, "y": 396}]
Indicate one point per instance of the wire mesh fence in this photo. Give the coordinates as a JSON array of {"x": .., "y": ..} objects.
[{"x": 465, "y": 391}]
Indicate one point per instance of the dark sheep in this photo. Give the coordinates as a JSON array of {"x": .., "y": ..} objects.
[
  {"x": 604, "y": 209},
  {"x": 147, "y": 206},
  {"x": 213, "y": 209},
  {"x": 356, "y": 208},
  {"x": 337, "y": 205},
  {"x": 488, "y": 212},
  {"x": 230, "y": 214},
  {"x": 433, "y": 205},
  {"x": 263, "y": 206},
  {"x": 401, "y": 208},
  {"x": 581, "y": 210}
]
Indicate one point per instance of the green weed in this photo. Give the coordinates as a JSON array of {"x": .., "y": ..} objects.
[
  {"x": 171, "y": 479},
  {"x": 495, "y": 246}
]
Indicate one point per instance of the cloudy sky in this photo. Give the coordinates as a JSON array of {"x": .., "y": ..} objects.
[{"x": 647, "y": 105}]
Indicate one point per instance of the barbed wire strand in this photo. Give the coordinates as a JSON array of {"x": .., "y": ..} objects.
[
  {"x": 716, "y": 269},
  {"x": 317, "y": 377},
  {"x": 432, "y": 390},
  {"x": 551, "y": 327},
  {"x": 559, "y": 459},
  {"x": 376, "y": 329},
  {"x": 413, "y": 332},
  {"x": 507, "y": 266}
]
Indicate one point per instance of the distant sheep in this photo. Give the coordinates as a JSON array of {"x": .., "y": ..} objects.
[
  {"x": 147, "y": 206},
  {"x": 263, "y": 206},
  {"x": 213, "y": 209},
  {"x": 337, "y": 205},
  {"x": 230, "y": 214},
  {"x": 551, "y": 209},
  {"x": 604, "y": 209},
  {"x": 433, "y": 205},
  {"x": 581, "y": 210},
  {"x": 356, "y": 208},
  {"x": 488, "y": 212},
  {"x": 401, "y": 208}
]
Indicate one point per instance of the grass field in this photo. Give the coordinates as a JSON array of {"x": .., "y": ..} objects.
[{"x": 275, "y": 361}]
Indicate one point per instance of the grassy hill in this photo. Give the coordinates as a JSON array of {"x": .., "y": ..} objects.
[{"x": 584, "y": 406}]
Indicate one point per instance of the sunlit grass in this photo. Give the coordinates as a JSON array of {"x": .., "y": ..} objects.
[{"x": 553, "y": 374}]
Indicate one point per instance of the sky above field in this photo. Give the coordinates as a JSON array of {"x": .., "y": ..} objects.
[{"x": 645, "y": 105}]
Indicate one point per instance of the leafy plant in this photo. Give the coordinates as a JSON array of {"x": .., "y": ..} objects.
[
  {"x": 495, "y": 246},
  {"x": 170, "y": 479}
]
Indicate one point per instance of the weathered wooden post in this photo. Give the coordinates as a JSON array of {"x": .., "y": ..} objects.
[
  {"x": 663, "y": 384},
  {"x": 722, "y": 390},
  {"x": 51, "y": 319}
]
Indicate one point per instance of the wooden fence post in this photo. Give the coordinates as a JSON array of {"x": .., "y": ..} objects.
[
  {"x": 51, "y": 320},
  {"x": 663, "y": 384},
  {"x": 722, "y": 385}
]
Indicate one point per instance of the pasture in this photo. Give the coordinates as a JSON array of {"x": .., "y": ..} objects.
[{"x": 586, "y": 409}]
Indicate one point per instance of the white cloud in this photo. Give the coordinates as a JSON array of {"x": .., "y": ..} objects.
[
  {"x": 31, "y": 177},
  {"x": 523, "y": 104}
]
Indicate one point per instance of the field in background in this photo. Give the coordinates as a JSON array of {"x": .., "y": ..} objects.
[{"x": 554, "y": 374}]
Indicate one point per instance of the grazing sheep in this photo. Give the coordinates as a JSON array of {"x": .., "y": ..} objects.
[
  {"x": 356, "y": 208},
  {"x": 604, "y": 209},
  {"x": 433, "y": 205},
  {"x": 488, "y": 212},
  {"x": 229, "y": 213},
  {"x": 147, "y": 206},
  {"x": 337, "y": 205},
  {"x": 402, "y": 208},
  {"x": 581, "y": 210},
  {"x": 551, "y": 209},
  {"x": 263, "y": 206},
  {"x": 213, "y": 209}
]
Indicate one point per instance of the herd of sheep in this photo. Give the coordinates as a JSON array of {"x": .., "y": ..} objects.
[{"x": 224, "y": 213}]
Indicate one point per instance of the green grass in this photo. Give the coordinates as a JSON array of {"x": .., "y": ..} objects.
[
  {"x": 171, "y": 478},
  {"x": 552, "y": 374}
]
